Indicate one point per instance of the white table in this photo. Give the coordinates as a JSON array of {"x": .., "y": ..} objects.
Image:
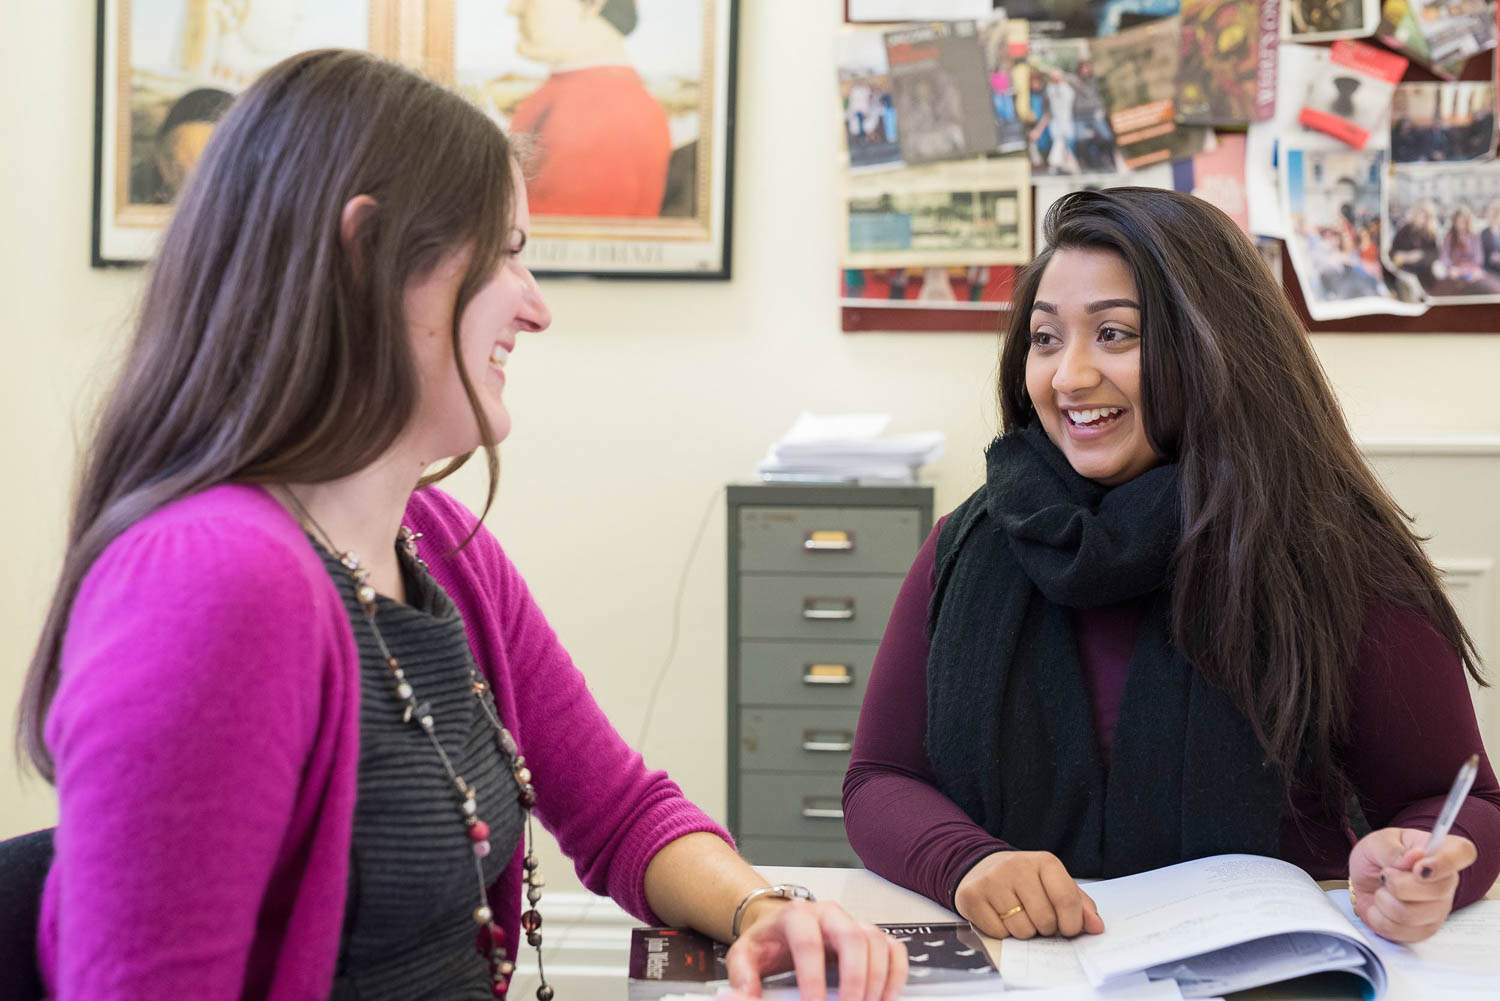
[
  {"x": 871, "y": 898},
  {"x": 589, "y": 937}
]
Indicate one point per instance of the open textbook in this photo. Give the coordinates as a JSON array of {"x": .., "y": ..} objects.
[{"x": 1233, "y": 922}]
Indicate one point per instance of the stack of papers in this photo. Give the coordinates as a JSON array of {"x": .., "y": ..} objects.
[{"x": 848, "y": 448}]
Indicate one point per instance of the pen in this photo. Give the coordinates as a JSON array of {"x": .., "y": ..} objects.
[{"x": 1461, "y": 784}]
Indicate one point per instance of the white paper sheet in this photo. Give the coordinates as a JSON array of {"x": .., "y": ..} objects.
[
  {"x": 1461, "y": 962},
  {"x": 1040, "y": 962}
]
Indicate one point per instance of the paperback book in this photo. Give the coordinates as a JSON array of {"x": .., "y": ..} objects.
[{"x": 940, "y": 956}]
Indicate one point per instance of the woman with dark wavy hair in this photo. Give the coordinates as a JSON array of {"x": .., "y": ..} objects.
[
  {"x": 298, "y": 705},
  {"x": 1180, "y": 618}
]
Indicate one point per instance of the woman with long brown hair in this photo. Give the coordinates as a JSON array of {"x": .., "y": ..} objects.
[
  {"x": 1180, "y": 618},
  {"x": 298, "y": 706}
]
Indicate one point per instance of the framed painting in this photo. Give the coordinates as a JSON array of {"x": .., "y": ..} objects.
[
  {"x": 625, "y": 112},
  {"x": 168, "y": 68}
]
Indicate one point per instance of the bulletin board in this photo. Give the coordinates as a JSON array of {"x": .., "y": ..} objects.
[{"x": 885, "y": 301}]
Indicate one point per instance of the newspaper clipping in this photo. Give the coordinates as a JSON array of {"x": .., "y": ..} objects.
[
  {"x": 1333, "y": 206},
  {"x": 966, "y": 213}
]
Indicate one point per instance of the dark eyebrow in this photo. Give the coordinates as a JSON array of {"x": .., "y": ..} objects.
[
  {"x": 1103, "y": 304},
  {"x": 1094, "y": 307}
]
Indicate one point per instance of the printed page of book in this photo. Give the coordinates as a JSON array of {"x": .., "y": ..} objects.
[
  {"x": 1459, "y": 962},
  {"x": 1186, "y": 910}
]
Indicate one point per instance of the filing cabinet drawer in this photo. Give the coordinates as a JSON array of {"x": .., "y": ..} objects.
[
  {"x": 797, "y": 740},
  {"x": 828, "y": 539},
  {"x": 792, "y": 806},
  {"x": 805, "y": 674},
  {"x": 795, "y": 851},
  {"x": 821, "y": 608}
]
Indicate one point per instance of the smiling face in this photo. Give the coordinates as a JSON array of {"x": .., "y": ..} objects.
[
  {"x": 506, "y": 304},
  {"x": 1083, "y": 367}
]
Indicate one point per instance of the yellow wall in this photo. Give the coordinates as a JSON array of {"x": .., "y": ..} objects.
[{"x": 629, "y": 415}]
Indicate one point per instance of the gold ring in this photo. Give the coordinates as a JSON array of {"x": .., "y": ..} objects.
[{"x": 1012, "y": 912}]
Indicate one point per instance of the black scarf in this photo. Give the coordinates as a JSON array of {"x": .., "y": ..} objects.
[{"x": 1010, "y": 734}]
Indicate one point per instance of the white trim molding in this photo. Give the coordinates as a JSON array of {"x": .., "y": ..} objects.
[{"x": 1465, "y": 444}]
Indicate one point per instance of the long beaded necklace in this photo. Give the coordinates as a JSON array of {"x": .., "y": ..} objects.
[{"x": 491, "y": 938}]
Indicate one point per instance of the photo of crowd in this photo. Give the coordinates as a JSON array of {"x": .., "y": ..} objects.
[{"x": 1446, "y": 231}]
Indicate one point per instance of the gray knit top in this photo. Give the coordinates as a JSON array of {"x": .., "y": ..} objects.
[{"x": 409, "y": 930}]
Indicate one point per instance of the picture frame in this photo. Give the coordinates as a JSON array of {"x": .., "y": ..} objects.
[
  {"x": 579, "y": 91},
  {"x": 627, "y": 122},
  {"x": 166, "y": 69}
]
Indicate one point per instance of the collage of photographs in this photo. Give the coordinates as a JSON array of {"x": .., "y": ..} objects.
[{"x": 1333, "y": 130}]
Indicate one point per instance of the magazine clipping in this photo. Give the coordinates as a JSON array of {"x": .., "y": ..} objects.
[
  {"x": 1218, "y": 79},
  {"x": 1061, "y": 98},
  {"x": 942, "y": 92},
  {"x": 1139, "y": 70},
  {"x": 1334, "y": 213},
  {"x": 1217, "y": 177},
  {"x": 1455, "y": 30},
  {"x": 1350, "y": 97},
  {"x": 1003, "y": 41},
  {"x": 1400, "y": 30}
]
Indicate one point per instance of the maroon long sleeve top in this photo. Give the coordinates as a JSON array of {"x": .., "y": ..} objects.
[{"x": 1412, "y": 725}]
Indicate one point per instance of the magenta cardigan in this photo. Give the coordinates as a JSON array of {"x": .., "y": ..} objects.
[{"x": 206, "y": 736}]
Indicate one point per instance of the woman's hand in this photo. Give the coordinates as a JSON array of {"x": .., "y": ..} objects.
[
  {"x": 1402, "y": 894},
  {"x": 796, "y": 934},
  {"x": 1020, "y": 894}
]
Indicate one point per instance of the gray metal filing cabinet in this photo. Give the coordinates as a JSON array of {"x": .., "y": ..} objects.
[{"x": 813, "y": 573}]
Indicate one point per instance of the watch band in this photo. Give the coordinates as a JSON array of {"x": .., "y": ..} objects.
[{"x": 786, "y": 891}]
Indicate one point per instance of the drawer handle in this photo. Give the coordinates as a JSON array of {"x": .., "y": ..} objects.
[
  {"x": 836, "y": 742},
  {"x": 812, "y": 811},
  {"x": 828, "y": 609},
  {"x": 828, "y": 674},
  {"x": 829, "y": 541}
]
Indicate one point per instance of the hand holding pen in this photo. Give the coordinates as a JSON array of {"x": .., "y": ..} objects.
[{"x": 1402, "y": 880}]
